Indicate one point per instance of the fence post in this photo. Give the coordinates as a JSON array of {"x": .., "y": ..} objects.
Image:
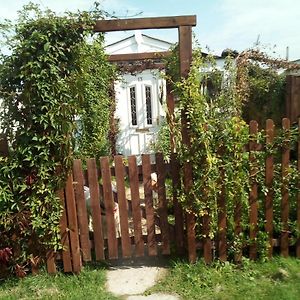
[
  {"x": 298, "y": 196},
  {"x": 284, "y": 241},
  {"x": 269, "y": 173},
  {"x": 253, "y": 190}
]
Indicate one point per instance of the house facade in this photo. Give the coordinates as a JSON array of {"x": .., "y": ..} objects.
[{"x": 139, "y": 97}]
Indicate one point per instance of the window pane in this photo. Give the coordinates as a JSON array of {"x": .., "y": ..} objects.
[
  {"x": 133, "y": 106},
  {"x": 148, "y": 105}
]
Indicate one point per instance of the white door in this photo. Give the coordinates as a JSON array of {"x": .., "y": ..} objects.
[{"x": 140, "y": 122}]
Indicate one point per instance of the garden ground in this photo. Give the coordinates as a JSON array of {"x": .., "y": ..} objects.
[{"x": 275, "y": 279}]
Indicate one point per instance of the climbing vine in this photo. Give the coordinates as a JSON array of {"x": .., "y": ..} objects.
[
  {"x": 56, "y": 74},
  {"x": 219, "y": 139}
]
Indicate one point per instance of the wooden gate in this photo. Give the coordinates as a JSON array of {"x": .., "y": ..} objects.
[{"x": 116, "y": 211}]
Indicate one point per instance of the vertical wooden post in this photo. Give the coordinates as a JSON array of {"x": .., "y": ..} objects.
[
  {"x": 185, "y": 52},
  {"x": 269, "y": 184},
  {"x": 284, "y": 241},
  {"x": 3, "y": 145},
  {"x": 253, "y": 191}
]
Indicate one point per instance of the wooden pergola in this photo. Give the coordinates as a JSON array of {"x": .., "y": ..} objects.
[{"x": 184, "y": 25}]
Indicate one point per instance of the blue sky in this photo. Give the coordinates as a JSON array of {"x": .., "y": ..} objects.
[{"x": 221, "y": 24}]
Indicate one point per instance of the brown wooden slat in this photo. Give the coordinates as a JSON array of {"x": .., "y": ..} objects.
[
  {"x": 253, "y": 217},
  {"x": 238, "y": 229},
  {"x": 66, "y": 253},
  {"x": 152, "y": 249},
  {"x": 269, "y": 185},
  {"x": 222, "y": 222},
  {"x": 185, "y": 53},
  {"x": 144, "y": 23},
  {"x": 81, "y": 210},
  {"x": 136, "y": 209},
  {"x": 298, "y": 196},
  {"x": 3, "y": 145},
  {"x": 95, "y": 208},
  {"x": 73, "y": 225},
  {"x": 207, "y": 245},
  {"x": 179, "y": 221},
  {"x": 162, "y": 203},
  {"x": 120, "y": 174},
  {"x": 138, "y": 56},
  {"x": 50, "y": 261},
  {"x": 284, "y": 241},
  {"x": 109, "y": 208}
]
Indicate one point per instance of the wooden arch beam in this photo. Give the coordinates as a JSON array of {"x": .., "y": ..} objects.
[{"x": 144, "y": 23}]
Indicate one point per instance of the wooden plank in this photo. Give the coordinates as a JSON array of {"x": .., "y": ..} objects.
[
  {"x": 284, "y": 240},
  {"x": 298, "y": 196},
  {"x": 238, "y": 229},
  {"x": 123, "y": 209},
  {"x": 185, "y": 49},
  {"x": 50, "y": 261},
  {"x": 95, "y": 208},
  {"x": 81, "y": 210},
  {"x": 66, "y": 253},
  {"x": 207, "y": 245},
  {"x": 222, "y": 221},
  {"x": 269, "y": 185},
  {"x": 109, "y": 208},
  {"x": 138, "y": 56},
  {"x": 179, "y": 221},
  {"x": 73, "y": 225},
  {"x": 152, "y": 249},
  {"x": 162, "y": 203},
  {"x": 253, "y": 217},
  {"x": 185, "y": 53},
  {"x": 136, "y": 206},
  {"x": 144, "y": 23}
]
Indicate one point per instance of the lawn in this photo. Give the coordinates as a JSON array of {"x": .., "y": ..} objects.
[
  {"x": 275, "y": 279},
  {"x": 90, "y": 284}
]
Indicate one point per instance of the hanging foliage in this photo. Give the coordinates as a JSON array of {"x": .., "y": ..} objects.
[{"x": 52, "y": 77}]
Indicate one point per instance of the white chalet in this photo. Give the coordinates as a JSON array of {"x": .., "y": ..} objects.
[{"x": 138, "y": 97}]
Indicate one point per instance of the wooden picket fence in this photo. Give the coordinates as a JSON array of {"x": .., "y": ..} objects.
[{"x": 147, "y": 225}]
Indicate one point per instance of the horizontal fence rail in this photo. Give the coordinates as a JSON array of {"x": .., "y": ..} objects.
[{"x": 119, "y": 209}]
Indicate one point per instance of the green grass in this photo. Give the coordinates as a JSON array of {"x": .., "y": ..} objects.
[
  {"x": 275, "y": 279},
  {"x": 89, "y": 284}
]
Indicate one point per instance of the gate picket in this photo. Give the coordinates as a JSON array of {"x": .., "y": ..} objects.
[
  {"x": 66, "y": 253},
  {"x": 95, "y": 208},
  {"x": 123, "y": 209},
  {"x": 136, "y": 206},
  {"x": 81, "y": 210},
  {"x": 109, "y": 208},
  {"x": 152, "y": 249},
  {"x": 72, "y": 225},
  {"x": 163, "y": 203}
]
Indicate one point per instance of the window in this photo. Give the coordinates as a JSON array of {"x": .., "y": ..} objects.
[
  {"x": 148, "y": 104},
  {"x": 133, "y": 106}
]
